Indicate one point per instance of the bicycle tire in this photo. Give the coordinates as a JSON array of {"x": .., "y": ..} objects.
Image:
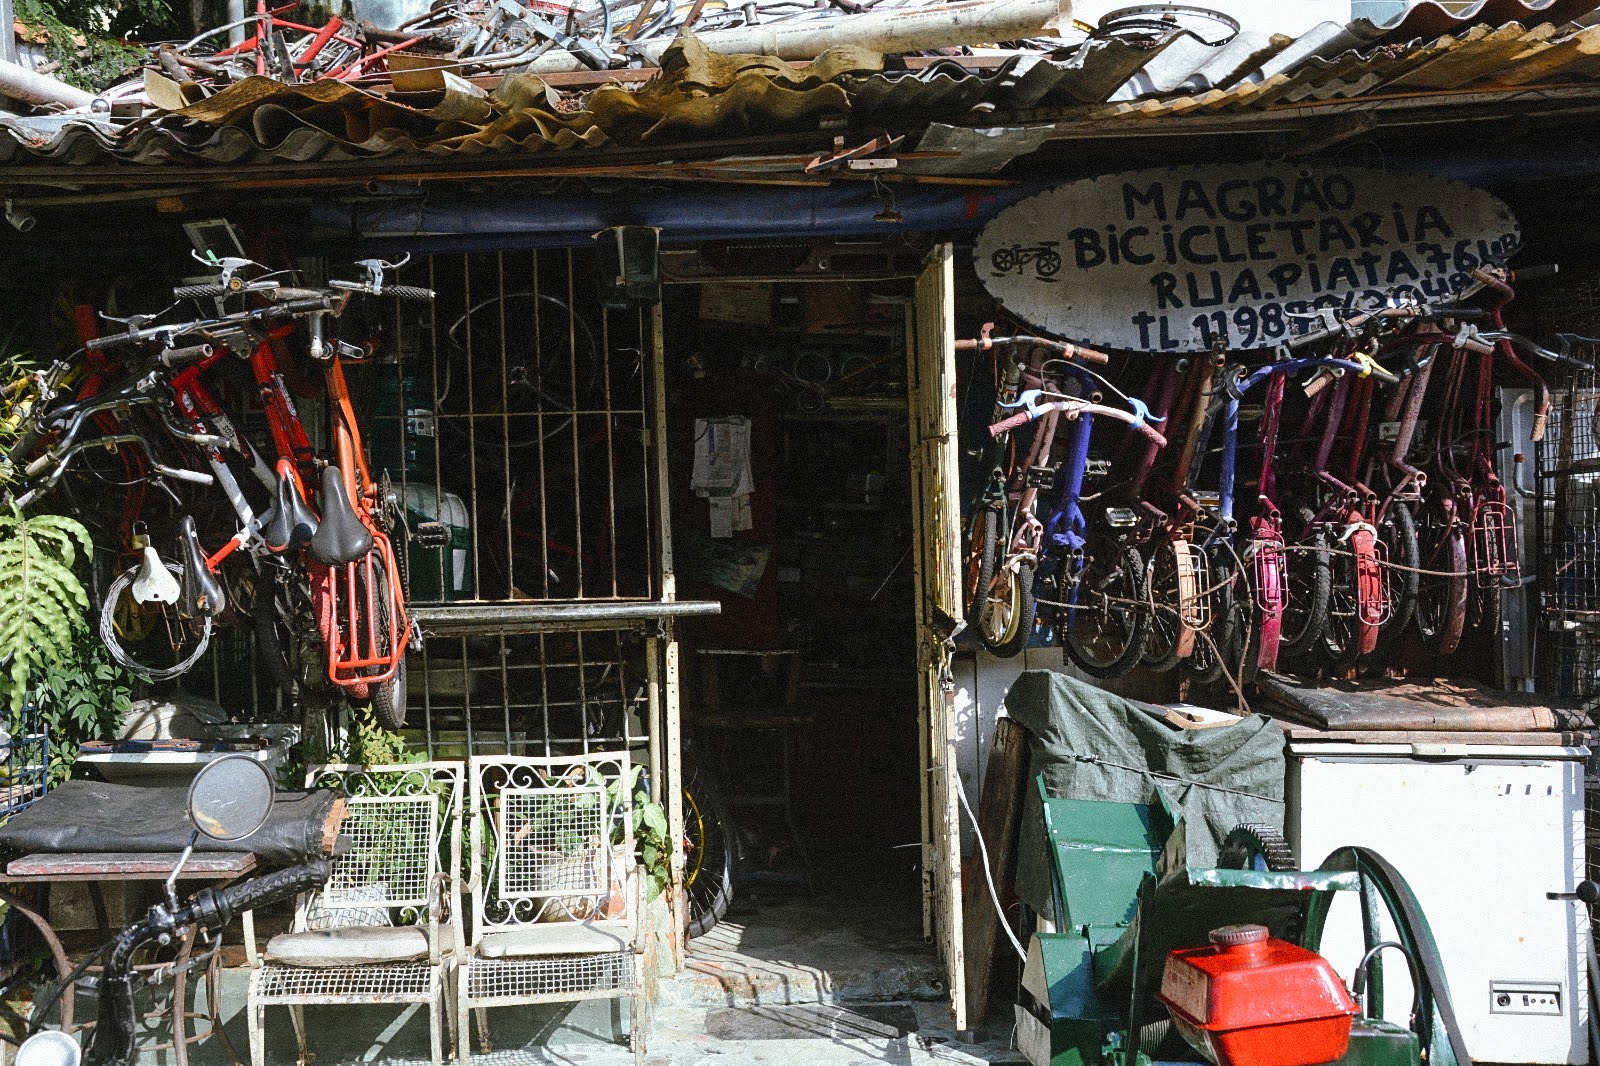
[
  {"x": 1216, "y": 649},
  {"x": 1020, "y": 608},
  {"x": 1398, "y": 532},
  {"x": 1305, "y": 612},
  {"x": 1126, "y": 585},
  {"x": 387, "y": 698},
  {"x": 1441, "y": 601},
  {"x": 983, "y": 546},
  {"x": 1341, "y": 630},
  {"x": 1161, "y": 586},
  {"x": 708, "y": 879},
  {"x": 113, "y": 643}
]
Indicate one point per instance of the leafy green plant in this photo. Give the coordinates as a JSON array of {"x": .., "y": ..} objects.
[
  {"x": 42, "y": 602},
  {"x": 653, "y": 843},
  {"x": 83, "y": 697}
]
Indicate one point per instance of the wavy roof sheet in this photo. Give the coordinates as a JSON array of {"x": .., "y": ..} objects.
[{"x": 1494, "y": 46}]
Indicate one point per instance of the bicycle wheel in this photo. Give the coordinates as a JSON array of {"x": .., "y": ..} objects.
[
  {"x": 388, "y": 697},
  {"x": 1107, "y": 631},
  {"x": 708, "y": 844},
  {"x": 1441, "y": 600},
  {"x": 1216, "y": 648},
  {"x": 1009, "y": 611},
  {"x": 286, "y": 632},
  {"x": 1341, "y": 632},
  {"x": 1161, "y": 591},
  {"x": 983, "y": 548},
  {"x": 1398, "y": 532},
  {"x": 1310, "y": 578},
  {"x": 150, "y": 638}
]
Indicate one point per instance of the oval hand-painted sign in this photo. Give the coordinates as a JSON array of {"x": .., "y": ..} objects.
[{"x": 1181, "y": 259}]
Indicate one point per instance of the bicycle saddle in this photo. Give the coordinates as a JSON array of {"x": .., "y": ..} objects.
[
  {"x": 341, "y": 538},
  {"x": 201, "y": 592},
  {"x": 292, "y": 522}
]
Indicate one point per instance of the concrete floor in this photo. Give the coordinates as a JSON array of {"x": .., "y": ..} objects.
[{"x": 789, "y": 982}]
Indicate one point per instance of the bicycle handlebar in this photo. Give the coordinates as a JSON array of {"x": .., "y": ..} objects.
[
  {"x": 1072, "y": 408},
  {"x": 268, "y": 888},
  {"x": 1066, "y": 350}
]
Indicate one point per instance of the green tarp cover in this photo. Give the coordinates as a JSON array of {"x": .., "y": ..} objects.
[{"x": 1091, "y": 744}]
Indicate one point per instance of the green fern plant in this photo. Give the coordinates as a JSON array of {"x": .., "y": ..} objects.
[{"x": 42, "y": 602}]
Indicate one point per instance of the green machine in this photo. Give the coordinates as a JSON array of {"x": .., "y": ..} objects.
[{"x": 1124, "y": 899}]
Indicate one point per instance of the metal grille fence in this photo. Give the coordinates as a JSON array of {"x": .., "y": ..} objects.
[
  {"x": 1568, "y": 521},
  {"x": 530, "y": 694}
]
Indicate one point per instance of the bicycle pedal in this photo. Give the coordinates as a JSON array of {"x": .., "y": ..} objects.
[
  {"x": 1121, "y": 517},
  {"x": 430, "y": 534},
  {"x": 1097, "y": 468},
  {"x": 1041, "y": 477}
]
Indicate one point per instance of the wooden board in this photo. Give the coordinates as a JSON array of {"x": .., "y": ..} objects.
[
  {"x": 127, "y": 866},
  {"x": 1403, "y": 736},
  {"x": 999, "y": 820}
]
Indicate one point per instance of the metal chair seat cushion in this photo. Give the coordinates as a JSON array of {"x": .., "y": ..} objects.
[
  {"x": 558, "y": 938},
  {"x": 354, "y": 946}
]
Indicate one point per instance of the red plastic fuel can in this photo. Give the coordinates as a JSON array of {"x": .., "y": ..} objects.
[{"x": 1252, "y": 1000}]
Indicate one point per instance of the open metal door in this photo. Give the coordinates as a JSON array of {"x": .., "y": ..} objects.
[{"x": 937, "y": 518}]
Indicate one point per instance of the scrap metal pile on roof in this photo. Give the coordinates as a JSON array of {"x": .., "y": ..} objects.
[{"x": 1133, "y": 73}]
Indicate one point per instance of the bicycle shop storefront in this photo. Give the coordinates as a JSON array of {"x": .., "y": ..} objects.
[{"x": 722, "y": 528}]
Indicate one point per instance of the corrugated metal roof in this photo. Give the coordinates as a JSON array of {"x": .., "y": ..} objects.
[{"x": 1496, "y": 46}]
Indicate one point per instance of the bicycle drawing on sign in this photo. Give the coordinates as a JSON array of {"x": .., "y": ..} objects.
[{"x": 1044, "y": 257}]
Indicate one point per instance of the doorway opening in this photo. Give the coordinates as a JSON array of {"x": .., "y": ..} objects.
[{"x": 792, "y": 505}]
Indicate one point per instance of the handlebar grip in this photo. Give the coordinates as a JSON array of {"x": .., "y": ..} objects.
[
  {"x": 174, "y": 358},
  {"x": 23, "y": 447},
  {"x": 1154, "y": 434},
  {"x": 197, "y": 292},
  {"x": 408, "y": 292},
  {"x": 1543, "y": 270},
  {"x": 270, "y": 888},
  {"x": 967, "y": 345},
  {"x": 1536, "y": 434},
  {"x": 1009, "y": 424},
  {"x": 1088, "y": 355},
  {"x": 116, "y": 340},
  {"x": 1383, "y": 375}
]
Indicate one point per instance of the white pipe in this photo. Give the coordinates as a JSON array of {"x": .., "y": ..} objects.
[
  {"x": 23, "y": 84},
  {"x": 236, "y": 16},
  {"x": 911, "y": 29}
]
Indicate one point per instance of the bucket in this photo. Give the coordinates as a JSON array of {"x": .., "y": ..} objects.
[{"x": 442, "y": 574}]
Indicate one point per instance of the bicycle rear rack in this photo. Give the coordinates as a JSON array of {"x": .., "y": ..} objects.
[
  {"x": 356, "y": 657},
  {"x": 1194, "y": 585},
  {"x": 1493, "y": 544}
]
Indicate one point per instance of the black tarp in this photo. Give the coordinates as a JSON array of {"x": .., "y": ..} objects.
[{"x": 96, "y": 816}]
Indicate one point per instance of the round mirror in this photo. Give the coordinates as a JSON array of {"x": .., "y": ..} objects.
[{"x": 230, "y": 798}]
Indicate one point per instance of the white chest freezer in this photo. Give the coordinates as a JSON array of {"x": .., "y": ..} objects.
[{"x": 1482, "y": 833}]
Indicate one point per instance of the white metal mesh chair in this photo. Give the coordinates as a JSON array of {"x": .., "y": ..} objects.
[
  {"x": 558, "y": 901},
  {"x": 387, "y": 926}
]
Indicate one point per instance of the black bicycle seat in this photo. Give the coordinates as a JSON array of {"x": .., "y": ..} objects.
[
  {"x": 199, "y": 591},
  {"x": 292, "y": 522},
  {"x": 341, "y": 538}
]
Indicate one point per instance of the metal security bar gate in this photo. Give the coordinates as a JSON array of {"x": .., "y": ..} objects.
[
  {"x": 514, "y": 415},
  {"x": 512, "y": 422}
]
